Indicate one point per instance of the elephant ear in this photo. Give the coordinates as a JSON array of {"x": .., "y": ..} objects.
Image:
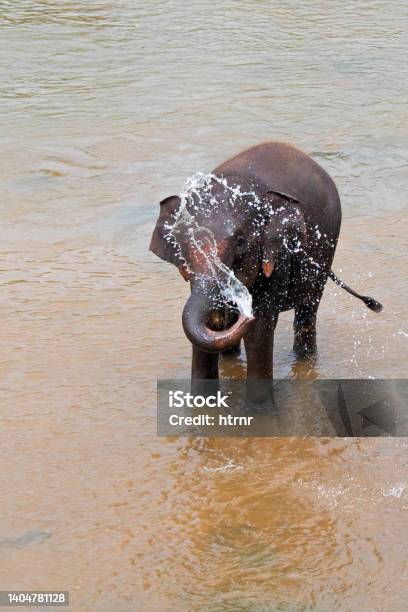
[
  {"x": 284, "y": 229},
  {"x": 160, "y": 244}
]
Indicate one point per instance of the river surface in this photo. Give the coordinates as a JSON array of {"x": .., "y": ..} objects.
[{"x": 106, "y": 108}]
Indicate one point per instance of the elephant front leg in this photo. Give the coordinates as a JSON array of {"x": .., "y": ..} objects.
[
  {"x": 204, "y": 368},
  {"x": 204, "y": 365},
  {"x": 259, "y": 350}
]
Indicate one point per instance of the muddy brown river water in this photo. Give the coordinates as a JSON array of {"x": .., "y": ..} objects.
[{"x": 107, "y": 106}]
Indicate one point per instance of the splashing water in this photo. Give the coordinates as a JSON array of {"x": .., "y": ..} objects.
[{"x": 232, "y": 290}]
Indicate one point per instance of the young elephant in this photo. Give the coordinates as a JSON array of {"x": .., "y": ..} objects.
[{"x": 272, "y": 215}]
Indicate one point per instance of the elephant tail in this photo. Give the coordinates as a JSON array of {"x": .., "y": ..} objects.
[{"x": 370, "y": 302}]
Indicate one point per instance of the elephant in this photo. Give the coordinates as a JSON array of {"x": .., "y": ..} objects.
[{"x": 273, "y": 216}]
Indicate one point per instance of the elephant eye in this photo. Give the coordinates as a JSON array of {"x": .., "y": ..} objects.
[{"x": 240, "y": 243}]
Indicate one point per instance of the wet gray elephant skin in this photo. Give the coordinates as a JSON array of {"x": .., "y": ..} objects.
[{"x": 281, "y": 251}]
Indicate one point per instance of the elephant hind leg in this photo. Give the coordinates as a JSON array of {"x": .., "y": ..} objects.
[
  {"x": 233, "y": 351},
  {"x": 305, "y": 330}
]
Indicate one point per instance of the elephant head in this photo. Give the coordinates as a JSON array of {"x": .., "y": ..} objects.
[{"x": 224, "y": 228}]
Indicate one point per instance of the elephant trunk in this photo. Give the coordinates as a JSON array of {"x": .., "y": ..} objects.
[{"x": 196, "y": 315}]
